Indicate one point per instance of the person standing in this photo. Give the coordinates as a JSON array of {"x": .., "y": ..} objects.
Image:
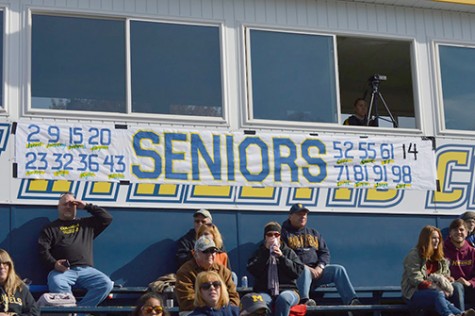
[
  {"x": 186, "y": 243},
  {"x": 462, "y": 263},
  {"x": 66, "y": 247},
  {"x": 313, "y": 251},
  {"x": 15, "y": 298}
]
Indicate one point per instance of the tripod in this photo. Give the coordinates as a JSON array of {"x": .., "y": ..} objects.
[{"x": 375, "y": 80}]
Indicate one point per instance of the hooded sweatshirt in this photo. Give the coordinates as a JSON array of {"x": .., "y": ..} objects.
[
  {"x": 462, "y": 261},
  {"x": 307, "y": 243}
]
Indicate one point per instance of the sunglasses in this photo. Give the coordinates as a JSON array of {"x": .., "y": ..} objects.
[
  {"x": 269, "y": 234},
  {"x": 204, "y": 222},
  {"x": 207, "y": 285},
  {"x": 149, "y": 309},
  {"x": 209, "y": 251}
]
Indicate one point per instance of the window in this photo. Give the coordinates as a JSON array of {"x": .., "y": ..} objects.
[
  {"x": 359, "y": 59},
  {"x": 292, "y": 76},
  {"x": 457, "y": 73},
  {"x": 176, "y": 69},
  {"x": 1, "y": 59},
  {"x": 78, "y": 64}
]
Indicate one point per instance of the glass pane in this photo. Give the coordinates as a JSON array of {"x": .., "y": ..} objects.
[
  {"x": 78, "y": 64},
  {"x": 176, "y": 69},
  {"x": 293, "y": 77},
  {"x": 359, "y": 59},
  {"x": 1, "y": 58},
  {"x": 457, "y": 67}
]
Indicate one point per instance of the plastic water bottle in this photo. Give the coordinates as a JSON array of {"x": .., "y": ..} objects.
[{"x": 244, "y": 282}]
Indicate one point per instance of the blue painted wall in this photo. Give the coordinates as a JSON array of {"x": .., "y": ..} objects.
[{"x": 139, "y": 246}]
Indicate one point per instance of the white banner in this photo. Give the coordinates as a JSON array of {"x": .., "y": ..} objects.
[{"x": 86, "y": 152}]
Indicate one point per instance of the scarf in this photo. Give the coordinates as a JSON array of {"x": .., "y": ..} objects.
[{"x": 273, "y": 276}]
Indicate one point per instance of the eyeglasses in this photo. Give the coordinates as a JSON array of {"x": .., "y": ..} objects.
[
  {"x": 149, "y": 309},
  {"x": 207, "y": 285},
  {"x": 269, "y": 234},
  {"x": 6, "y": 263},
  {"x": 209, "y": 251}
]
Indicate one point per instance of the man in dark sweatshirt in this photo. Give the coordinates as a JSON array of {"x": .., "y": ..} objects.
[
  {"x": 66, "y": 247},
  {"x": 314, "y": 253},
  {"x": 462, "y": 263}
]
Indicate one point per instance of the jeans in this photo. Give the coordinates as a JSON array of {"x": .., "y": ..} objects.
[
  {"x": 282, "y": 303},
  {"x": 433, "y": 299},
  {"x": 96, "y": 283},
  {"x": 333, "y": 273},
  {"x": 458, "y": 297}
]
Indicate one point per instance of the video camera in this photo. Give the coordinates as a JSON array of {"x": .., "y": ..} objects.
[{"x": 377, "y": 77}]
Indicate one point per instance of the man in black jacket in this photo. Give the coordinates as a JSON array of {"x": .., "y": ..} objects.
[
  {"x": 313, "y": 251},
  {"x": 66, "y": 247},
  {"x": 186, "y": 243}
]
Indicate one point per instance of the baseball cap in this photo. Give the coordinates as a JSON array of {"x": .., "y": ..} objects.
[
  {"x": 297, "y": 208},
  {"x": 203, "y": 212},
  {"x": 252, "y": 302},
  {"x": 204, "y": 243}
]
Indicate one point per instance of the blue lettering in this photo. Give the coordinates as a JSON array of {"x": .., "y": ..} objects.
[
  {"x": 148, "y": 153},
  {"x": 170, "y": 156},
  {"x": 244, "y": 163},
  {"x": 197, "y": 149},
  {"x": 306, "y": 145},
  {"x": 285, "y": 160}
]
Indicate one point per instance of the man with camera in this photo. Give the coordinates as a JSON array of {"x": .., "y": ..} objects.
[{"x": 66, "y": 247}]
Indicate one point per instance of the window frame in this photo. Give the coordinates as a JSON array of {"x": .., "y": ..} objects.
[
  {"x": 3, "y": 99},
  {"x": 128, "y": 116},
  {"x": 440, "y": 121},
  {"x": 248, "y": 107}
]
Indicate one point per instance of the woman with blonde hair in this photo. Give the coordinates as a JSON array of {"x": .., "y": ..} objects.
[
  {"x": 15, "y": 298},
  {"x": 211, "y": 296},
  {"x": 423, "y": 260}
]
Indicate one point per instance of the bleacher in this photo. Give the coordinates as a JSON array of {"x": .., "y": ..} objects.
[{"x": 377, "y": 300}]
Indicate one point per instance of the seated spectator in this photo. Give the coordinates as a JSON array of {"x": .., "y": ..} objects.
[
  {"x": 66, "y": 248},
  {"x": 15, "y": 298},
  {"x": 252, "y": 304},
  {"x": 212, "y": 232},
  {"x": 275, "y": 268},
  {"x": 313, "y": 251},
  {"x": 203, "y": 260},
  {"x": 186, "y": 243},
  {"x": 469, "y": 218},
  {"x": 361, "y": 114},
  {"x": 423, "y": 260},
  {"x": 151, "y": 303},
  {"x": 212, "y": 297},
  {"x": 462, "y": 259}
]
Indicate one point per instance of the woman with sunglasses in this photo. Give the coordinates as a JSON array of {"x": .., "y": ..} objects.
[
  {"x": 211, "y": 296},
  {"x": 151, "y": 303},
  {"x": 275, "y": 268},
  {"x": 15, "y": 298}
]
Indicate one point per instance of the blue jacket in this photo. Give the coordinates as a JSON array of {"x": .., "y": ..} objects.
[
  {"x": 229, "y": 310},
  {"x": 307, "y": 243}
]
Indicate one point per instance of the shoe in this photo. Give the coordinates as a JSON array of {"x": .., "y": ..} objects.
[
  {"x": 355, "y": 301},
  {"x": 469, "y": 312},
  {"x": 311, "y": 302}
]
